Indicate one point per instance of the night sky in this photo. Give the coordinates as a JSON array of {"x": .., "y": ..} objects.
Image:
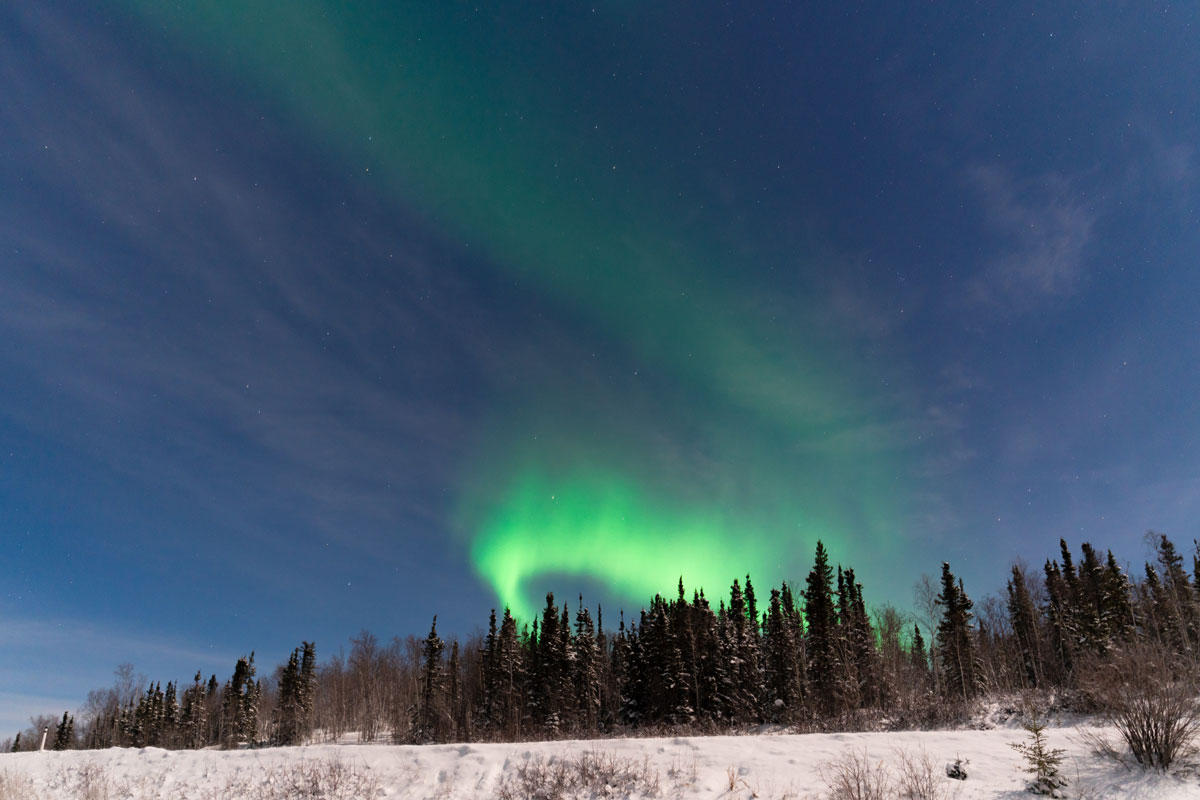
[{"x": 323, "y": 316}]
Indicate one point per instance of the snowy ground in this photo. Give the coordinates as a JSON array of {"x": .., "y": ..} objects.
[{"x": 762, "y": 766}]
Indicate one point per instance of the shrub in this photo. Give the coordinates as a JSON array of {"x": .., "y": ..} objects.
[
  {"x": 16, "y": 786},
  {"x": 88, "y": 781},
  {"x": 919, "y": 779},
  {"x": 592, "y": 773},
  {"x": 1150, "y": 696},
  {"x": 330, "y": 779},
  {"x": 853, "y": 777}
]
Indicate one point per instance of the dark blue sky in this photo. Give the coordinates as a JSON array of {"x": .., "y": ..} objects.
[{"x": 296, "y": 307}]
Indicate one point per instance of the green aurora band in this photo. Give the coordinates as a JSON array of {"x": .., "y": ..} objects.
[
  {"x": 600, "y": 526},
  {"x": 453, "y": 115}
]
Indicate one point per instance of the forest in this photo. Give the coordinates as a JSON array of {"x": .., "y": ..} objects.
[{"x": 810, "y": 657}]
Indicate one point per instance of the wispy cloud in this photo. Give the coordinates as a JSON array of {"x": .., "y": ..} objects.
[
  {"x": 1044, "y": 227},
  {"x": 71, "y": 657},
  {"x": 160, "y": 278}
]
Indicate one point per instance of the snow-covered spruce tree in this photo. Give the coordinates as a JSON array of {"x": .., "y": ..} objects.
[
  {"x": 955, "y": 646},
  {"x": 820, "y": 615},
  {"x": 456, "y": 705},
  {"x": 193, "y": 725},
  {"x": 710, "y": 703},
  {"x": 750, "y": 660},
  {"x": 658, "y": 675},
  {"x": 783, "y": 694},
  {"x": 1094, "y": 635},
  {"x": 287, "y": 703},
  {"x": 430, "y": 702},
  {"x": 585, "y": 665},
  {"x": 170, "y": 717},
  {"x": 795, "y": 620},
  {"x": 619, "y": 666},
  {"x": 743, "y": 702},
  {"x": 1041, "y": 760},
  {"x": 848, "y": 695},
  {"x": 308, "y": 687},
  {"x": 1058, "y": 621},
  {"x": 485, "y": 703},
  {"x": 567, "y": 701},
  {"x": 239, "y": 705},
  {"x": 549, "y": 668},
  {"x": 510, "y": 677},
  {"x": 1118, "y": 602},
  {"x": 1178, "y": 595},
  {"x": 64, "y": 734},
  {"x": 916, "y": 651},
  {"x": 1022, "y": 615},
  {"x": 860, "y": 640},
  {"x": 683, "y": 618}
]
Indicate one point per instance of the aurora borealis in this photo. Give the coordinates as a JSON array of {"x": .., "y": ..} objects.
[
  {"x": 361, "y": 312},
  {"x": 504, "y": 166}
]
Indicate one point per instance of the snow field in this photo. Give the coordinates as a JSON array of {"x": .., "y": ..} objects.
[{"x": 768, "y": 767}]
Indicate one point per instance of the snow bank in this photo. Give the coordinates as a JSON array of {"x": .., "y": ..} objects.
[{"x": 770, "y": 767}]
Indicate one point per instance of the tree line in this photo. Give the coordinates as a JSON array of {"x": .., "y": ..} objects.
[{"x": 812, "y": 657}]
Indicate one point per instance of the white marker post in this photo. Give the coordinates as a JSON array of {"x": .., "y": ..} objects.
[{"x": 45, "y": 731}]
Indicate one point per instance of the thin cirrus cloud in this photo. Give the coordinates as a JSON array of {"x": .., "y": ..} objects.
[
  {"x": 68, "y": 650},
  {"x": 223, "y": 311},
  {"x": 1044, "y": 228}
]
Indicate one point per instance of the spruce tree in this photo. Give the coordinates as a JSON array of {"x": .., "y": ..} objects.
[
  {"x": 549, "y": 669},
  {"x": 917, "y": 652},
  {"x": 566, "y": 700},
  {"x": 458, "y": 725},
  {"x": 239, "y": 713},
  {"x": 710, "y": 702},
  {"x": 1118, "y": 606},
  {"x": 861, "y": 638},
  {"x": 618, "y": 671},
  {"x": 782, "y": 671},
  {"x": 485, "y": 708},
  {"x": 634, "y": 704},
  {"x": 821, "y": 646},
  {"x": 1042, "y": 760},
  {"x": 426, "y": 722},
  {"x": 64, "y": 734},
  {"x": 585, "y": 665},
  {"x": 679, "y": 650},
  {"x": 287, "y": 707},
  {"x": 1179, "y": 593},
  {"x": 193, "y": 722},
  {"x": 250, "y": 702},
  {"x": 510, "y": 679},
  {"x": 744, "y": 643},
  {"x": 1023, "y": 617},
  {"x": 169, "y": 735},
  {"x": 308, "y": 687},
  {"x": 1162, "y": 623},
  {"x": 955, "y": 644},
  {"x": 1058, "y": 619}
]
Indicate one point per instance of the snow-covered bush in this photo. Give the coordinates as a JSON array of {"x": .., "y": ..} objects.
[
  {"x": 328, "y": 779},
  {"x": 1150, "y": 695},
  {"x": 918, "y": 778},
  {"x": 16, "y": 786},
  {"x": 89, "y": 781},
  {"x": 593, "y": 773},
  {"x": 853, "y": 776}
]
